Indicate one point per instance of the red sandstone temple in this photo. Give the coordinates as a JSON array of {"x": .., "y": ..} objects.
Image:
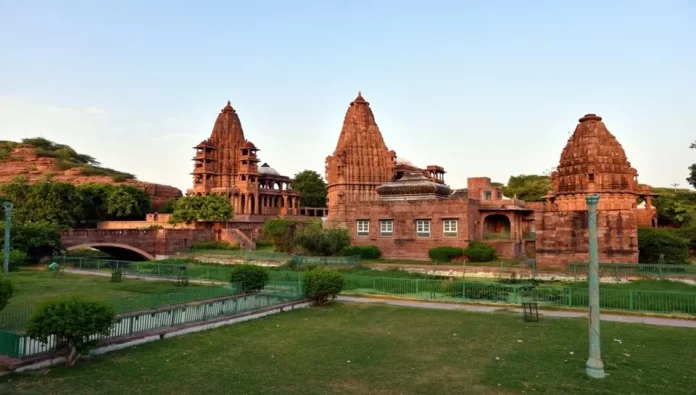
[
  {"x": 227, "y": 164},
  {"x": 406, "y": 210}
]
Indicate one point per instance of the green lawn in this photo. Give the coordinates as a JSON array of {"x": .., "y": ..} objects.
[
  {"x": 368, "y": 349},
  {"x": 35, "y": 286}
]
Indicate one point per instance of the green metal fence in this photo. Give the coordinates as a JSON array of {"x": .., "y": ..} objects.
[
  {"x": 246, "y": 255},
  {"x": 130, "y": 322},
  {"x": 619, "y": 270},
  {"x": 301, "y": 260}
]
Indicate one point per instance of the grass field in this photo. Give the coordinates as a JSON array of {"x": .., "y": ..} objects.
[
  {"x": 361, "y": 349},
  {"x": 32, "y": 287}
]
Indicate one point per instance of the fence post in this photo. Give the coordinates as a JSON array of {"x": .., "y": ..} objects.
[
  {"x": 616, "y": 269},
  {"x": 630, "y": 299},
  {"x": 463, "y": 289},
  {"x": 514, "y": 295},
  {"x": 417, "y": 286},
  {"x": 570, "y": 296},
  {"x": 659, "y": 267},
  {"x": 374, "y": 283}
]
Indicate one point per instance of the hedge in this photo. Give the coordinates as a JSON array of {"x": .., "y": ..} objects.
[
  {"x": 365, "y": 252},
  {"x": 444, "y": 254},
  {"x": 480, "y": 252}
]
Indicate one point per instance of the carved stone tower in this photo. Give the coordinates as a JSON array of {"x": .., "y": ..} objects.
[{"x": 360, "y": 163}]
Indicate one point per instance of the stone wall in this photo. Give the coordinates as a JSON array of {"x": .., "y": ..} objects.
[
  {"x": 405, "y": 243},
  {"x": 562, "y": 237}
]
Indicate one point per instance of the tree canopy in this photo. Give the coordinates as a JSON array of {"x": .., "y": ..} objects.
[
  {"x": 675, "y": 207},
  {"x": 189, "y": 209},
  {"x": 529, "y": 188},
  {"x": 312, "y": 187},
  {"x": 692, "y": 170}
]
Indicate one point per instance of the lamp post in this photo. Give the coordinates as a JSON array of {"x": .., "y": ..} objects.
[
  {"x": 595, "y": 366},
  {"x": 8, "y": 219}
]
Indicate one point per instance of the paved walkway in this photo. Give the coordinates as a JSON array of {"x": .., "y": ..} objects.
[{"x": 549, "y": 313}]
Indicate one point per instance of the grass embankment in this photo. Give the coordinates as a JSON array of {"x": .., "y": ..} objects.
[
  {"x": 360, "y": 349},
  {"x": 32, "y": 287}
]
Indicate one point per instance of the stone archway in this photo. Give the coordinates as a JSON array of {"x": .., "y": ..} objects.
[
  {"x": 496, "y": 227},
  {"x": 112, "y": 247}
]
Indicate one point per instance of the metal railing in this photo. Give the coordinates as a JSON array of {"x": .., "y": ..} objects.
[
  {"x": 496, "y": 236},
  {"x": 18, "y": 345},
  {"x": 619, "y": 270}
]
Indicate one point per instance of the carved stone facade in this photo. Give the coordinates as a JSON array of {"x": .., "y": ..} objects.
[
  {"x": 593, "y": 161},
  {"x": 227, "y": 164},
  {"x": 406, "y": 210}
]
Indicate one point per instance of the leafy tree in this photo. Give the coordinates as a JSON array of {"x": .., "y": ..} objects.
[
  {"x": 55, "y": 203},
  {"x": 93, "y": 198},
  {"x": 675, "y": 209},
  {"x": 37, "y": 240},
  {"x": 312, "y": 187},
  {"x": 282, "y": 233},
  {"x": 321, "y": 285},
  {"x": 73, "y": 321},
  {"x": 692, "y": 170},
  {"x": 189, "y": 209},
  {"x": 127, "y": 201},
  {"x": 528, "y": 187},
  {"x": 657, "y": 245},
  {"x": 6, "y": 291}
]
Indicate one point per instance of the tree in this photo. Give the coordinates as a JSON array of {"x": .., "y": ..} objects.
[
  {"x": 675, "y": 209},
  {"x": 189, "y": 209},
  {"x": 73, "y": 321},
  {"x": 660, "y": 245},
  {"x": 692, "y": 170},
  {"x": 127, "y": 201},
  {"x": 315, "y": 240},
  {"x": 37, "y": 240},
  {"x": 528, "y": 187},
  {"x": 312, "y": 187},
  {"x": 282, "y": 233},
  {"x": 93, "y": 199},
  {"x": 55, "y": 203},
  {"x": 253, "y": 278}
]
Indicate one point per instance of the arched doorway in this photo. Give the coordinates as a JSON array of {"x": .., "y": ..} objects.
[{"x": 496, "y": 227}]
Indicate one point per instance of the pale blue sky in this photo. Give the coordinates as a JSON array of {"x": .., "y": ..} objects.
[{"x": 483, "y": 88}]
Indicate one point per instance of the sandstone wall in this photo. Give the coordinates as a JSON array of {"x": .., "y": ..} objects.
[{"x": 562, "y": 237}]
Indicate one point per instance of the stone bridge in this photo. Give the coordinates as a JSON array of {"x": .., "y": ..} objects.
[{"x": 136, "y": 244}]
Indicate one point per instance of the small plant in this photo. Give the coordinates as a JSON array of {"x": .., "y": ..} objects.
[
  {"x": 116, "y": 276},
  {"x": 253, "y": 278},
  {"x": 320, "y": 285},
  {"x": 480, "y": 252},
  {"x": 73, "y": 321},
  {"x": 6, "y": 291},
  {"x": 444, "y": 254},
  {"x": 365, "y": 252}
]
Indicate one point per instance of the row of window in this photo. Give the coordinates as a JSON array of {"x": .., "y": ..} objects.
[{"x": 386, "y": 227}]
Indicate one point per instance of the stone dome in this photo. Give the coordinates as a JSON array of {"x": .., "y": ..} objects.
[
  {"x": 248, "y": 144},
  {"x": 413, "y": 186},
  {"x": 593, "y": 161},
  {"x": 404, "y": 161},
  {"x": 266, "y": 169}
]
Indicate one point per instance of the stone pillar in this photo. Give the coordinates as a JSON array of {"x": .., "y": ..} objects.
[
  {"x": 285, "y": 203},
  {"x": 594, "y": 366},
  {"x": 257, "y": 201}
]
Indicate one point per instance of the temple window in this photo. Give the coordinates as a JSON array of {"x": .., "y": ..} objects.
[
  {"x": 423, "y": 228},
  {"x": 591, "y": 177},
  {"x": 363, "y": 227},
  {"x": 499, "y": 195},
  {"x": 386, "y": 227},
  {"x": 449, "y": 227},
  {"x": 486, "y": 195}
]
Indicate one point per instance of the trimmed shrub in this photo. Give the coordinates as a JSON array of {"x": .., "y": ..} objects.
[
  {"x": 214, "y": 245},
  {"x": 73, "y": 321},
  {"x": 320, "y": 285},
  {"x": 656, "y": 242},
  {"x": 444, "y": 254},
  {"x": 6, "y": 291},
  {"x": 365, "y": 252},
  {"x": 480, "y": 252},
  {"x": 253, "y": 278}
]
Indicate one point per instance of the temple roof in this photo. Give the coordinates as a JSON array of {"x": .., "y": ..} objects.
[
  {"x": 413, "y": 186},
  {"x": 593, "y": 160},
  {"x": 266, "y": 169},
  {"x": 249, "y": 145},
  {"x": 360, "y": 128}
]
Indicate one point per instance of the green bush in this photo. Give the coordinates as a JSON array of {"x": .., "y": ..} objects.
[
  {"x": 444, "y": 254},
  {"x": 264, "y": 244},
  {"x": 18, "y": 259},
  {"x": 73, "y": 321},
  {"x": 656, "y": 242},
  {"x": 320, "y": 285},
  {"x": 6, "y": 292},
  {"x": 253, "y": 278},
  {"x": 316, "y": 241},
  {"x": 214, "y": 245},
  {"x": 479, "y": 252},
  {"x": 365, "y": 252}
]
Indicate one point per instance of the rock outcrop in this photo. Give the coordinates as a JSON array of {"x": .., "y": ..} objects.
[{"x": 24, "y": 161}]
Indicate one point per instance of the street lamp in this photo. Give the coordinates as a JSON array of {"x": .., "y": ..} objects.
[
  {"x": 595, "y": 366},
  {"x": 8, "y": 219}
]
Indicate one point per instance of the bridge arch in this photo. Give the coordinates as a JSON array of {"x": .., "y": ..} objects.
[{"x": 113, "y": 249}]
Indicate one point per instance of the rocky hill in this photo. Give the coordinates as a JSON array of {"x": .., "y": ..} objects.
[{"x": 38, "y": 158}]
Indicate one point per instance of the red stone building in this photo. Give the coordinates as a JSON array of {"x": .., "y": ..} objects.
[
  {"x": 593, "y": 161},
  {"x": 227, "y": 164},
  {"x": 406, "y": 210}
]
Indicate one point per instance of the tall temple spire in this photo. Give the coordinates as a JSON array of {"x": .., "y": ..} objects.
[{"x": 360, "y": 162}]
